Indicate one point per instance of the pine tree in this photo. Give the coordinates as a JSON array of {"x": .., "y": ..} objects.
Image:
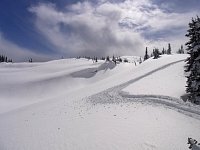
[
  {"x": 107, "y": 58},
  {"x": 30, "y": 60},
  {"x": 181, "y": 50},
  {"x": 169, "y": 50},
  {"x": 156, "y": 53},
  {"x": 3, "y": 58},
  {"x": 119, "y": 59},
  {"x": 113, "y": 58},
  {"x": 146, "y": 56},
  {"x": 140, "y": 60},
  {"x": 193, "y": 61},
  {"x": 163, "y": 51}
]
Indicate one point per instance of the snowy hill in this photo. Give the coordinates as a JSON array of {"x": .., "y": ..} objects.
[
  {"x": 169, "y": 81},
  {"x": 77, "y": 104}
]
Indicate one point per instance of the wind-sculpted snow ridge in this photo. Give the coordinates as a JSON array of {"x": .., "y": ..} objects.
[
  {"x": 115, "y": 95},
  {"x": 90, "y": 72}
]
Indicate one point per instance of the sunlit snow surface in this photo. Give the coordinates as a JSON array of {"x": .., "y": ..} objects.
[{"x": 79, "y": 105}]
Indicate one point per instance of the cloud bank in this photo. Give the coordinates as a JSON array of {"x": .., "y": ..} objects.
[{"x": 107, "y": 28}]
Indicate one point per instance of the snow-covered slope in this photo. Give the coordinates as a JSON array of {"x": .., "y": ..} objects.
[
  {"x": 77, "y": 104},
  {"x": 170, "y": 81}
]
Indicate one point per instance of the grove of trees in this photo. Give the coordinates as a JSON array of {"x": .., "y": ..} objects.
[{"x": 4, "y": 58}]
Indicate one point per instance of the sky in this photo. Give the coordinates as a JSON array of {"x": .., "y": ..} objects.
[{"x": 51, "y": 29}]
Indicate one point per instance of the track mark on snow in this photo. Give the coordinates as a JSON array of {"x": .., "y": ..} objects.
[{"x": 115, "y": 95}]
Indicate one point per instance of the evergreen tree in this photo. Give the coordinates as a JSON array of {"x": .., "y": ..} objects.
[
  {"x": 193, "y": 61},
  {"x": 146, "y": 56},
  {"x": 181, "y": 50},
  {"x": 107, "y": 58},
  {"x": 3, "y": 58},
  {"x": 103, "y": 58},
  {"x": 169, "y": 50},
  {"x": 156, "y": 53},
  {"x": 30, "y": 60},
  {"x": 140, "y": 60},
  {"x": 119, "y": 59},
  {"x": 163, "y": 51},
  {"x": 114, "y": 59}
]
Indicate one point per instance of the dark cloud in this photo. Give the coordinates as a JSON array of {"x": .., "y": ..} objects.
[{"x": 180, "y": 6}]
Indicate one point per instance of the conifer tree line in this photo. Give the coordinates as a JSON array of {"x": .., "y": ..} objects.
[
  {"x": 30, "y": 60},
  {"x": 156, "y": 52},
  {"x": 4, "y": 58},
  {"x": 193, "y": 61},
  {"x": 107, "y": 58}
]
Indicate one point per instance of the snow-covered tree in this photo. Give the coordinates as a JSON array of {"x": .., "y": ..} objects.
[
  {"x": 181, "y": 50},
  {"x": 114, "y": 59},
  {"x": 146, "y": 56},
  {"x": 107, "y": 58},
  {"x": 140, "y": 61},
  {"x": 156, "y": 53},
  {"x": 163, "y": 51},
  {"x": 193, "y": 61},
  {"x": 30, "y": 60},
  {"x": 169, "y": 50},
  {"x": 96, "y": 59},
  {"x": 4, "y": 58}
]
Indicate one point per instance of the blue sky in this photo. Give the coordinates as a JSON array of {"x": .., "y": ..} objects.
[{"x": 50, "y": 29}]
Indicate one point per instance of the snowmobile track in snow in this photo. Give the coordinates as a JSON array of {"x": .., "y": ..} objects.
[{"x": 115, "y": 95}]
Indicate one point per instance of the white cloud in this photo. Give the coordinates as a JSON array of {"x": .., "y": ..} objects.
[
  {"x": 17, "y": 53},
  {"x": 85, "y": 28}
]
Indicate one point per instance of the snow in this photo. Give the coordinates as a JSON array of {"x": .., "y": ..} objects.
[
  {"x": 132, "y": 59},
  {"x": 77, "y": 104},
  {"x": 168, "y": 82}
]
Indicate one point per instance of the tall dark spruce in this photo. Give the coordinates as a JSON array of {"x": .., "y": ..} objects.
[
  {"x": 169, "y": 50},
  {"x": 193, "y": 61},
  {"x": 146, "y": 56}
]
